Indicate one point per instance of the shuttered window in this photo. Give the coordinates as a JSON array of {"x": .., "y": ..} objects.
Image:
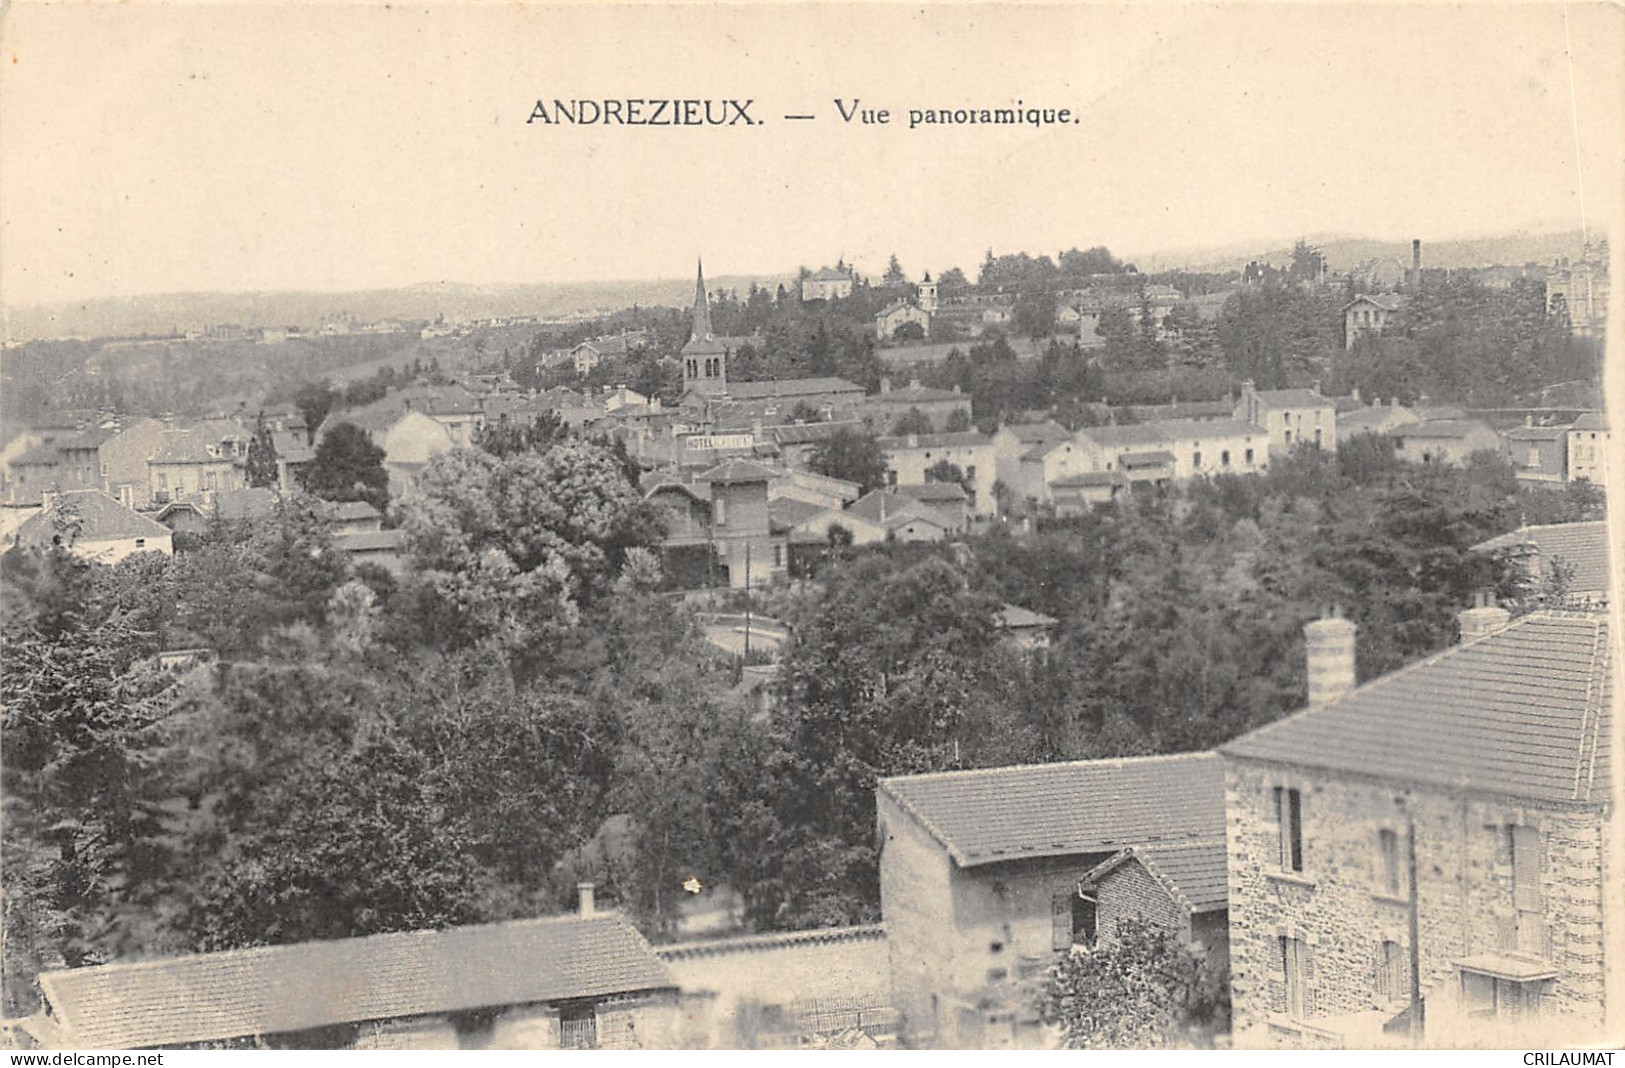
[
  {"x": 1061, "y": 919},
  {"x": 1289, "y": 818}
]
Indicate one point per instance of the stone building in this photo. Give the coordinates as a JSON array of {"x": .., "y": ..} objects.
[
  {"x": 1431, "y": 849},
  {"x": 941, "y": 407},
  {"x": 1444, "y": 441},
  {"x": 1290, "y": 417},
  {"x": 571, "y": 982},
  {"x": 1369, "y": 314},
  {"x": 1178, "y": 886},
  {"x": 980, "y": 873},
  {"x": 827, "y": 283},
  {"x": 1588, "y": 449},
  {"x": 1538, "y": 453},
  {"x": 910, "y": 456},
  {"x": 1574, "y": 555}
]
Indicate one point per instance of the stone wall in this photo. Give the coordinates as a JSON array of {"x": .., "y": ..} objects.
[{"x": 1338, "y": 906}]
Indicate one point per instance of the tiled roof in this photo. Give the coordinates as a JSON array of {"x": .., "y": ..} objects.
[
  {"x": 1536, "y": 433},
  {"x": 353, "y": 510},
  {"x": 738, "y": 471},
  {"x": 1108, "y": 437},
  {"x": 1089, "y": 479},
  {"x": 1523, "y": 711},
  {"x": 1440, "y": 428},
  {"x": 1196, "y": 874},
  {"x": 789, "y": 512},
  {"x": 1013, "y": 615},
  {"x": 790, "y": 387},
  {"x": 1087, "y": 806},
  {"x": 1584, "y": 546},
  {"x": 91, "y": 438},
  {"x": 935, "y": 492},
  {"x": 281, "y": 989},
  {"x": 914, "y": 393},
  {"x": 962, "y": 438},
  {"x": 245, "y": 503},
  {"x": 1036, "y": 433},
  {"x": 370, "y": 541},
  {"x": 1591, "y": 421},
  {"x": 717, "y": 947},
  {"x": 100, "y": 518},
  {"x": 829, "y": 274},
  {"x": 1385, "y": 301},
  {"x": 186, "y": 447},
  {"x": 1293, "y": 398},
  {"x": 806, "y": 433},
  {"x": 887, "y": 508}
]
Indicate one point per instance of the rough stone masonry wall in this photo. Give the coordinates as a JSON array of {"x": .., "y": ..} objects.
[{"x": 1335, "y": 905}]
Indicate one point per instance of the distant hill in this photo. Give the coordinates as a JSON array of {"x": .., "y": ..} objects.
[
  {"x": 1344, "y": 252},
  {"x": 171, "y": 312}
]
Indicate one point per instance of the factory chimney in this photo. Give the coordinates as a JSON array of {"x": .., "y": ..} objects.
[{"x": 1330, "y": 643}]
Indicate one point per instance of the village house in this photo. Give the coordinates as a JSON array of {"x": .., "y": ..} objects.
[
  {"x": 586, "y": 981},
  {"x": 947, "y": 500},
  {"x": 1290, "y": 417},
  {"x": 408, "y": 437},
  {"x": 896, "y": 314},
  {"x": 1573, "y": 554},
  {"x": 123, "y": 462},
  {"x": 941, "y": 407},
  {"x": 821, "y": 490},
  {"x": 204, "y": 459},
  {"x": 1579, "y": 290},
  {"x": 720, "y": 521},
  {"x": 1180, "y": 887},
  {"x": 1444, "y": 441},
  {"x": 1430, "y": 850},
  {"x": 380, "y": 548},
  {"x": 904, "y": 518},
  {"x": 1537, "y": 453},
  {"x": 980, "y": 875},
  {"x": 796, "y": 441},
  {"x": 910, "y": 456},
  {"x": 808, "y": 524},
  {"x": 1374, "y": 419},
  {"x": 827, "y": 283},
  {"x": 1588, "y": 449},
  {"x": 587, "y": 355},
  {"x": 354, "y": 517},
  {"x": 1369, "y": 314},
  {"x": 1012, "y": 445},
  {"x": 1174, "y": 450},
  {"x": 92, "y": 525}
]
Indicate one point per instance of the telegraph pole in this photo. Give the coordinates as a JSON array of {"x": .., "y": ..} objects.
[
  {"x": 1415, "y": 932},
  {"x": 747, "y": 608}
]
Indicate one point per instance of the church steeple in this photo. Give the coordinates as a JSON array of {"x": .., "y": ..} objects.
[{"x": 702, "y": 305}]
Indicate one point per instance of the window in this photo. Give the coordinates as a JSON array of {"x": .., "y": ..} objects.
[
  {"x": 1289, "y": 815},
  {"x": 1224, "y": 458},
  {"x": 1534, "y": 457},
  {"x": 1289, "y": 437},
  {"x": 1388, "y": 862},
  {"x": 1196, "y": 459},
  {"x": 1393, "y": 973},
  {"x": 141, "y": 543},
  {"x": 1249, "y": 456},
  {"x": 778, "y": 556},
  {"x": 1317, "y": 437},
  {"x": 1072, "y": 919},
  {"x": 1297, "y": 974},
  {"x": 891, "y": 478},
  {"x": 578, "y": 1027},
  {"x": 970, "y": 472},
  {"x": 719, "y": 509}
]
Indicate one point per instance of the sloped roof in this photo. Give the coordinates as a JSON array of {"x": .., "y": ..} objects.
[
  {"x": 245, "y": 503},
  {"x": 1536, "y": 433},
  {"x": 99, "y": 516},
  {"x": 1090, "y": 478},
  {"x": 1385, "y": 301},
  {"x": 789, "y": 512},
  {"x": 886, "y": 508},
  {"x": 280, "y": 989},
  {"x": 1293, "y": 398},
  {"x": 964, "y": 438},
  {"x": 1037, "y": 433},
  {"x": 1155, "y": 458},
  {"x": 370, "y": 541},
  {"x": 819, "y": 936},
  {"x": 186, "y": 447},
  {"x": 738, "y": 471},
  {"x": 1085, "y": 806},
  {"x": 1591, "y": 421},
  {"x": 1108, "y": 437},
  {"x": 935, "y": 492},
  {"x": 90, "y": 438},
  {"x": 914, "y": 393},
  {"x": 353, "y": 510},
  {"x": 1440, "y": 428},
  {"x": 1195, "y": 874},
  {"x": 1584, "y": 546},
  {"x": 829, "y": 274},
  {"x": 1523, "y": 711},
  {"x": 790, "y": 387}
]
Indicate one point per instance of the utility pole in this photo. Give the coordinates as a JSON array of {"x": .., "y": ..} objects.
[{"x": 747, "y": 608}]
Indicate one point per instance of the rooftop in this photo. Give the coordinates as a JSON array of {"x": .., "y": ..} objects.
[
  {"x": 1038, "y": 433},
  {"x": 1584, "y": 546},
  {"x": 1523, "y": 711},
  {"x": 1046, "y": 810},
  {"x": 790, "y": 387},
  {"x": 1195, "y": 874},
  {"x": 1168, "y": 430},
  {"x": 1293, "y": 398},
  {"x": 1591, "y": 421},
  {"x": 738, "y": 471},
  {"x": 281, "y": 989},
  {"x": 98, "y": 516},
  {"x": 963, "y": 438},
  {"x": 1440, "y": 428}
]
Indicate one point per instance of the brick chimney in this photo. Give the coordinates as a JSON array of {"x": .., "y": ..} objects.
[
  {"x": 1485, "y": 617},
  {"x": 1330, "y": 644},
  {"x": 584, "y": 891}
]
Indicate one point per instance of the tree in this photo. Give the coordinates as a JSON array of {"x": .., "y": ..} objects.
[
  {"x": 1140, "y": 988},
  {"x": 851, "y": 455},
  {"x": 908, "y": 332},
  {"x": 912, "y": 421},
  {"x": 348, "y": 467},
  {"x": 947, "y": 471},
  {"x": 261, "y": 465},
  {"x": 894, "y": 272},
  {"x": 503, "y": 438},
  {"x": 958, "y": 421},
  {"x": 314, "y": 402}
]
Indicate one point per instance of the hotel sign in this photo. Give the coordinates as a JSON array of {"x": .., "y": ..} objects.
[{"x": 715, "y": 442}]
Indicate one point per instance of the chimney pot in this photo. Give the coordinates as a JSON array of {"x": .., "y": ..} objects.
[
  {"x": 584, "y": 891},
  {"x": 1330, "y": 644}
]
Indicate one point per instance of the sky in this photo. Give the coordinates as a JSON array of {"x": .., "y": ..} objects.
[{"x": 152, "y": 147}]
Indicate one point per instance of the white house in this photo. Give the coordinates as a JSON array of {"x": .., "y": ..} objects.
[{"x": 92, "y": 525}]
